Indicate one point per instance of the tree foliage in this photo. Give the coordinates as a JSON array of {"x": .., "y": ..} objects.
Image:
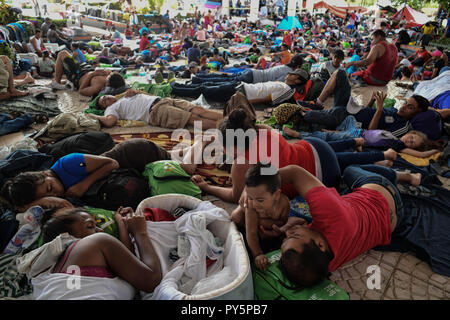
[
  {"x": 155, "y": 4},
  {"x": 418, "y": 4}
]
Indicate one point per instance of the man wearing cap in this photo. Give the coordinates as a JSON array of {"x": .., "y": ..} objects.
[
  {"x": 402, "y": 62},
  {"x": 192, "y": 69},
  {"x": 277, "y": 73},
  {"x": 274, "y": 92},
  {"x": 435, "y": 64}
]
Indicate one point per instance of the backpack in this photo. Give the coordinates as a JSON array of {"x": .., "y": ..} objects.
[
  {"x": 122, "y": 187},
  {"x": 167, "y": 176},
  {"x": 95, "y": 143},
  {"x": 75, "y": 71},
  {"x": 273, "y": 285},
  {"x": 67, "y": 124}
]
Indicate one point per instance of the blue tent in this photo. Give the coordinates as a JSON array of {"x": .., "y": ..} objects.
[{"x": 289, "y": 23}]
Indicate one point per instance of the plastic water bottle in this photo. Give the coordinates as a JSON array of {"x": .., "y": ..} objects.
[
  {"x": 149, "y": 77},
  {"x": 142, "y": 72}
]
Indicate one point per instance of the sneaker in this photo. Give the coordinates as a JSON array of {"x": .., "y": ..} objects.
[
  {"x": 57, "y": 86},
  {"x": 201, "y": 101},
  {"x": 158, "y": 78}
]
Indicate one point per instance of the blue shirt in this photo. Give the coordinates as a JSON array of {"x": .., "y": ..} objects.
[
  {"x": 70, "y": 169},
  {"x": 193, "y": 54},
  {"x": 352, "y": 69},
  {"x": 144, "y": 29},
  {"x": 80, "y": 56}
]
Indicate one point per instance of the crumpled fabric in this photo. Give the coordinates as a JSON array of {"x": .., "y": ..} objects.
[
  {"x": 430, "y": 89},
  {"x": 45, "y": 257},
  {"x": 29, "y": 231},
  {"x": 67, "y": 124},
  {"x": 180, "y": 277}
]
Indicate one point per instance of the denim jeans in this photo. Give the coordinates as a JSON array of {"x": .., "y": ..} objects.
[
  {"x": 332, "y": 118},
  {"x": 348, "y": 129},
  {"x": 244, "y": 76},
  {"x": 8, "y": 125},
  {"x": 357, "y": 176},
  {"x": 331, "y": 172},
  {"x": 216, "y": 91},
  {"x": 443, "y": 70}
]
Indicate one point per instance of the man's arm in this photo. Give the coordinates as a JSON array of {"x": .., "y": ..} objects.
[
  {"x": 302, "y": 180},
  {"x": 374, "y": 53},
  {"x": 379, "y": 96},
  {"x": 108, "y": 121},
  {"x": 261, "y": 100}
]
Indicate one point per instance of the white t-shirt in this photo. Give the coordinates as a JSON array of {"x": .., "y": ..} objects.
[
  {"x": 277, "y": 90},
  {"x": 45, "y": 65},
  {"x": 54, "y": 286},
  {"x": 301, "y": 41},
  {"x": 134, "y": 108},
  {"x": 405, "y": 62}
]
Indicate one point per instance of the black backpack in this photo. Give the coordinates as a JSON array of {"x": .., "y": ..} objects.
[
  {"x": 122, "y": 187},
  {"x": 95, "y": 143}
]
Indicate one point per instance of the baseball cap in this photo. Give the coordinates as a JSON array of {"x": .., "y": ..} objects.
[
  {"x": 193, "y": 64},
  {"x": 301, "y": 73},
  {"x": 353, "y": 106},
  {"x": 436, "y": 53}
]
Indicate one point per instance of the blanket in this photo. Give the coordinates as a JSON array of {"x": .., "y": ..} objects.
[
  {"x": 210, "y": 172},
  {"x": 30, "y": 104}
]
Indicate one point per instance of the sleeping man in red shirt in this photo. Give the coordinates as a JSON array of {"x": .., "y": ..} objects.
[{"x": 343, "y": 227}]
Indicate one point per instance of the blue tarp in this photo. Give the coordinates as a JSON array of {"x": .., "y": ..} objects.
[{"x": 289, "y": 23}]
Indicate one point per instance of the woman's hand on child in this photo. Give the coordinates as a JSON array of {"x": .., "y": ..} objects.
[{"x": 261, "y": 262}]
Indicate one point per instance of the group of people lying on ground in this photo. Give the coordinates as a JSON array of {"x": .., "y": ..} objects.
[{"x": 331, "y": 149}]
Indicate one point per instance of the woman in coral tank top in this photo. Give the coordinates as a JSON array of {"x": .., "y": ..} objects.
[{"x": 261, "y": 144}]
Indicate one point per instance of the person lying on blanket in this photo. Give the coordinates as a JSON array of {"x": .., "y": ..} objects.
[
  {"x": 167, "y": 112},
  {"x": 273, "y": 92},
  {"x": 414, "y": 143},
  {"x": 73, "y": 174},
  {"x": 100, "y": 255},
  {"x": 342, "y": 228}
]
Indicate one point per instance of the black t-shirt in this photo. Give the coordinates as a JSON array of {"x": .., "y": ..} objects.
[
  {"x": 439, "y": 64},
  {"x": 253, "y": 50}
]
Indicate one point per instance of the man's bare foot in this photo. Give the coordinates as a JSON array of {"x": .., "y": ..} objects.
[
  {"x": 290, "y": 132},
  {"x": 390, "y": 154},
  {"x": 28, "y": 78},
  {"x": 18, "y": 93},
  {"x": 385, "y": 163},
  {"x": 359, "y": 144}
]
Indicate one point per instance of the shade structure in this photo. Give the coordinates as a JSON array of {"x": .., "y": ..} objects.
[
  {"x": 290, "y": 23},
  {"x": 413, "y": 18}
]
